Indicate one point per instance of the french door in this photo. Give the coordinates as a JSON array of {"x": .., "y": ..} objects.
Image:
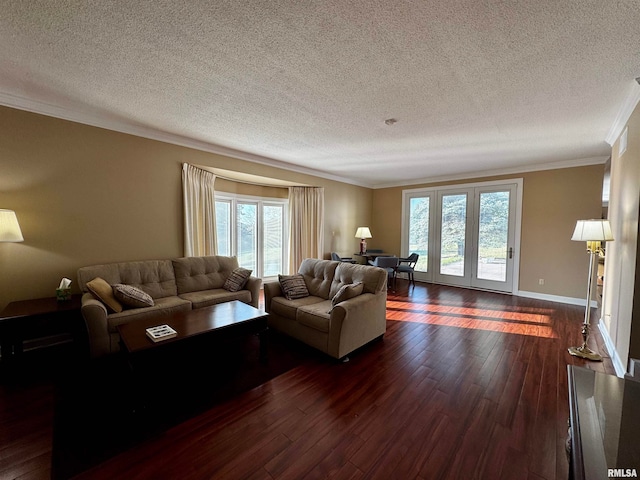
[{"x": 466, "y": 235}]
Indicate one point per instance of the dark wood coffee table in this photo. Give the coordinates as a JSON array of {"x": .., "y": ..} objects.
[{"x": 232, "y": 318}]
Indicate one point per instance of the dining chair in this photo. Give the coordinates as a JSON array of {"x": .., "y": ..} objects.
[
  {"x": 390, "y": 264},
  {"x": 337, "y": 258},
  {"x": 407, "y": 265}
]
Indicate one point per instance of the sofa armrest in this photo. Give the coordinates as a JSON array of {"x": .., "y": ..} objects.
[
  {"x": 253, "y": 285},
  {"x": 271, "y": 290},
  {"x": 95, "y": 318},
  {"x": 356, "y": 322}
]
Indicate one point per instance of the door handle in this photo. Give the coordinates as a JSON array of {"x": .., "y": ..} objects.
[{"x": 510, "y": 252}]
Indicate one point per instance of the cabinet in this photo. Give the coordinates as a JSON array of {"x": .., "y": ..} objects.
[
  {"x": 604, "y": 425},
  {"x": 37, "y": 323}
]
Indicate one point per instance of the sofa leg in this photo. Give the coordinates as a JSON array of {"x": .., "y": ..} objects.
[{"x": 345, "y": 359}]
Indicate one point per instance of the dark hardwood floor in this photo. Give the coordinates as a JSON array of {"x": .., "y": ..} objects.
[{"x": 464, "y": 385}]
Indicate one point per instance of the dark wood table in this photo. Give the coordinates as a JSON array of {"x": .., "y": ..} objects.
[
  {"x": 233, "y": 318},
  {"x": 41, "y": 321},
  {"x": 604, "y": 425},
  {"x": 365, "y": 257}
]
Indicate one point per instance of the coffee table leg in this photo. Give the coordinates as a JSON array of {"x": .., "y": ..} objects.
[
  {"x": 134, "y": 381},
  {"x": 263, "y": 336}
]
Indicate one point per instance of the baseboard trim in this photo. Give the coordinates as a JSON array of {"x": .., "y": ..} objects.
[
  {"x": 611, "y": 349},
  {"x": 555, "y": 298}
]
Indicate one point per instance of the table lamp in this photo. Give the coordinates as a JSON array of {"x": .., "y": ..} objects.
[
  {"x": 9, "y": 227},
  {"x": 363, "y": 233},
  {"x": 593, "y": 232}
]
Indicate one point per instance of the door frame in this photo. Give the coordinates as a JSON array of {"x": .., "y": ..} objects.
[
  {"x": 433, "y": 192},
  {"x": 486, "y": 283}
]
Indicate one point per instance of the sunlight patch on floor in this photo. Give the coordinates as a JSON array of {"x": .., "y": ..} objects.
[{"x": 506, "y": 321}]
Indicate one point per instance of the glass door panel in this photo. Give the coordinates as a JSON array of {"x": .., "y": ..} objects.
[
  {"x": 419, "y": 219},
  {"x": 453, "y": 227},
  {"x": 493, "y": 236}
]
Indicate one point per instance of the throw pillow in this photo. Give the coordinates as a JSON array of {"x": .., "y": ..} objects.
[
  {"x": 346, "y": 292},
  {"x": 101, "y": 289},
  {"x": 132, "y": 296},
  {"x": 237, "y": 280},
  {"x": 293, "y": 286}
]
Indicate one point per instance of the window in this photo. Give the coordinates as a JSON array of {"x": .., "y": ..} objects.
[{"x": 254, "y": 230}]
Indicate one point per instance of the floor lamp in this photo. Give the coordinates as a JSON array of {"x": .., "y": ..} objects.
[{"x": 593, "y": 232}]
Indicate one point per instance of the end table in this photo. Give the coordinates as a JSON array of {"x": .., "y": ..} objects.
[{"x": 42, "y": 321}]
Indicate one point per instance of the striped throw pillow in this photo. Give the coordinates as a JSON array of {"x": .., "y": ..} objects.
[
  {"x": 237, "y": 279},
  {"x": 293, "y": 286}
]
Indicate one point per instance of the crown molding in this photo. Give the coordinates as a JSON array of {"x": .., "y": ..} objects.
[
  {"x": 96, "y": 120},
  {"x": 580, "y": 162},
  {"x": 624, "y": 113}
]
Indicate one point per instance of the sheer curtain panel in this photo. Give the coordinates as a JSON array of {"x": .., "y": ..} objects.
[
  {"x": 199, "y": 211},
  {"x": 306, "y": 224}
]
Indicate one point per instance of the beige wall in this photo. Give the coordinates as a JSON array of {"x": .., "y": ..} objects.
[
  {"x": 621, "y": 261},
  {"x": 552, "y": 202},
  {"x": 85, "y": 195}
]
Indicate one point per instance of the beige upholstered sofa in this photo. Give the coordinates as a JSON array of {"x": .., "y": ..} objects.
[
  {"x": 174, "y": 285},
  {"x": 336, "y": 330}
]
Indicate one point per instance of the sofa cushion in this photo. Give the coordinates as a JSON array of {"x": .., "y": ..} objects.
[
  {"x": 318, "y": 275},
  {"x": 293, "y": 286},
  {"x": 154, "y": 277},
  {"x": 163, "y": 306},
  {"x": 205, "y": 298},
  {"x": 347, "y": 273},
  {"x": 237, "y": 280},
  {"x": 131, "y": 296},
  {"x": 346, "y": 292},
  {"x": 194, "y": 274},
  {"x": 103, "y": 291},
  {"x": 315, "y": 316},
  {"x": 288, "y": 308}
]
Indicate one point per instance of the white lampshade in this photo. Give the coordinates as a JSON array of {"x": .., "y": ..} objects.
[
  {"x": 363, "y": 232},
  {"x": 9, "y": 227},
  {"x": 592, "y": 230}
]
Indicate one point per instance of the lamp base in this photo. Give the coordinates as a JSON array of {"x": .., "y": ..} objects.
[
  {"x": 363, "y": 246},
  {"x": 585, "y": 352}
]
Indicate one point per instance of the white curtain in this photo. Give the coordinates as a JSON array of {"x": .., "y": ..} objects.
[
  {"x": 306, "y": 225},
  {"x": 199, "y": 211}
]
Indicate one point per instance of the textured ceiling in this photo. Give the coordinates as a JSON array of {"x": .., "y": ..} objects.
[{"x": 475, "y": 85}]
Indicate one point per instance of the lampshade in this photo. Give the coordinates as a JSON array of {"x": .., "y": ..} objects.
[
  {"x": 9, "y": 227},
  {"x": 592, "y": 230},
  {"x": 363, "y": 232}
]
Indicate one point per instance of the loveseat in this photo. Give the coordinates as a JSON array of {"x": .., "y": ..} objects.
[
  {"x": 174, "y": 285},
  {"x": 345, "y": 307}
]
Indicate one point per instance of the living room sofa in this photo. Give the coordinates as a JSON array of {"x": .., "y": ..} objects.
[
  {"x": 338, "y": 329},
  {"x": 174, "y": 285}
]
